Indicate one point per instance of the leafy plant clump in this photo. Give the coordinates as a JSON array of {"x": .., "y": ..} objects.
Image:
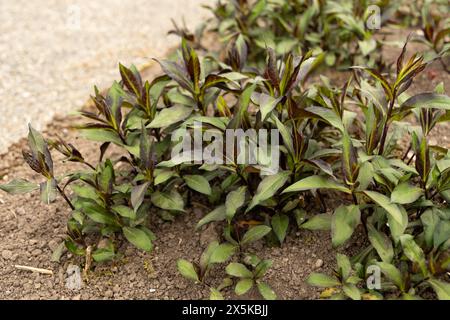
[
  {"x": 336, "y": 29},
  {"x": 343, "y": 141}
]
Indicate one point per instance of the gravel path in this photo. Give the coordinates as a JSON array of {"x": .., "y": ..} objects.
[{"x": 52, "y": 52}]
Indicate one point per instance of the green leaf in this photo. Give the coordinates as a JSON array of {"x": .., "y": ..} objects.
[
  {"x": 36, "y": 141},
  {"x": 74, "y": 248},
  {"x": 222, "y": 253},
  {"x": 442, "y": 289},
  {"x": 267, "y": 104},
  {"x": 86, "y": 191},
  {"x": 367, "y": 46},
  {"x": 163, "y": 176},
  {"x": 243, "y": 286},
  {"x": 235, "y": 199},
  {"x": 103, "y": 254},
  {"x": 206, "y": 255},
  {"x": 318, "y": 222},
  {"x": 344, "y": 266},
  {"x": 255, "y": 233},
  {"x": 442, "y": 233},
  {"x": 48, "y": 191},
  {"x": 266, "y": 291},
  {"x": 322, "y": 280},
  {"x": 397, "y": 229},
  {"x": 101, "y": 135},
  {"x": 329, "y": 116},
  {"x": 382, "y": 80},
  {"x": 349, "y": 159},
  {"x": 169, "y": 116},
  {"x": 198, "y": 183},
  {"x": 168, "y": 200},
  {"x": 238, "y": 270},
  {"x": 381, "y": 243},
  {"x": 285, "y": 134},
  {"x": 262, "y": 268},
  {"x": 106, "y": 177},
  {"x": 226, "y": 282},
  {"x": 343, "y": 223},
  {"x": 215, "y": 294},
  {"x": 413, "y": 252},
  {"x": 386, "y": 204},
  {"x": 218, "y": 214},
  {"x": 404, "y": 193},
  {"x": 391, "y": 272},
  {"x": 268, "y": 187},
  {"x": 427, "y": 100},
  {"x": 187, "y": 270},
  {"x": 352, "y": 291},
  {"x": 257, "y": 10},
  {"x": 218, "y": 122},
  {"x": 316, "y": 182},
  {"x": 280, "y": 223},
  {"x": 138, "y": 194},
  {"x": 138, "y": 237},
  {"x": 19, "y": 186},
  {"x": 94, "y": 211},
  {"x": 430, "y": 220},
  {"x": 124, "y": 211}
]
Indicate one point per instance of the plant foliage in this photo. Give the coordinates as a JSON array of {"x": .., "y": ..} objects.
[{"x": 340, "y": 141}]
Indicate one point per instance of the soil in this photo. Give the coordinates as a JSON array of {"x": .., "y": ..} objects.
[{"x": 30, "y": 231}]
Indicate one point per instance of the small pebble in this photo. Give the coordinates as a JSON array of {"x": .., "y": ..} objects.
[
  {"x": 36, "y": 252},
  {"x": 109, "y": 294},
  {"x": 319, "y": 263},
  {"x": 7, "y": 254}
]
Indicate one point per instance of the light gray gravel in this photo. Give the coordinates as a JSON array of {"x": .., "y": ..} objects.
[{"x": 52, "y": 52}]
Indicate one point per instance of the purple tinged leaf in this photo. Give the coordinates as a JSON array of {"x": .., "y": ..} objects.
[
  {"x": 271, "y": 70},
  {"x": 138, "y": 194},
  {"x": 177, "y": 73},
  {"x": 130, "y": 80}
]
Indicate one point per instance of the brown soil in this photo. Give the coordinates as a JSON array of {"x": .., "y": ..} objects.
[{"x": 30, "y": 231}]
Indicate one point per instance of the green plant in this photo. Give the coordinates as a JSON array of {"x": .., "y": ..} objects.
[
  {"x": 249, "y": 278},
  {"x": 197, "y": 272},
  {"x": 336, "y": 28},
  {"x": 340, "y": 152},
  {"x": 217, "y": 253},
  {"x": 394, "y": 200},
  {"x": 436, "y": 35}
]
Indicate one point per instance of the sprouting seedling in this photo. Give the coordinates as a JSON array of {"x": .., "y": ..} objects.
[
  {"x": 39, "y": 159},
  {"x": 251, "y": 277}
]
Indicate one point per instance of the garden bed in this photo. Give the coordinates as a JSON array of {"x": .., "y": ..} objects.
[{"x": 30, "y": 232}]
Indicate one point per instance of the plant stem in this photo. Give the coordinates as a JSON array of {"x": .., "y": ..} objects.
[
  {"x": 386, "y": 125},
  {"x": 355, "y": 200},
  {"x": 65, "y": 197},
  {"x": 321, "y": 201},
  {"x": 89, "y": 165},
  {"x": 410, "y": 159},
  {"x": 433, "y": 194},
  {"x": 406, "y": 153},
  {"x": 444, "y": 65}
]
